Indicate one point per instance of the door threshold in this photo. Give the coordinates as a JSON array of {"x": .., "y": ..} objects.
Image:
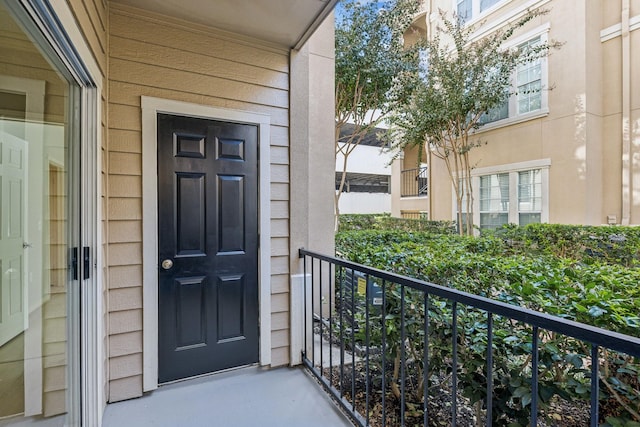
[{"x": 210, "y": 374}]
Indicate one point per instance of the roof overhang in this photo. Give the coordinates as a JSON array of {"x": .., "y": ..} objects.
[{"x": 285, "y": 23}]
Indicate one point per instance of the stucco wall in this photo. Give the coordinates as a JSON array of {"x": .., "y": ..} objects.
[
  {"x": 583, "y": 132},
  {"x": 156, "y": 56}
]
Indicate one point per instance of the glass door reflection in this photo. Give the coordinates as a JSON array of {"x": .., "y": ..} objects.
[{"x": 38, "y": 226}]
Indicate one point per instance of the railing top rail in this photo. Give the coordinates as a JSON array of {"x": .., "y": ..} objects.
[
  {"x": 592, "y": 334},
  {"x": 421, "y": 168}
]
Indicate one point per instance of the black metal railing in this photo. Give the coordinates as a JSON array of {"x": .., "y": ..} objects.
[
  {"x": 389, "y": 347},
  {"x": 414, "y": 182}
]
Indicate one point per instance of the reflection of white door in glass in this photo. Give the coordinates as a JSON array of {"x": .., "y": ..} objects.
[{"x": 13, "y": 297}]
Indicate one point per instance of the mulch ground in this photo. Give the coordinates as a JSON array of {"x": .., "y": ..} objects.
[{"x": 560, "y": 414}]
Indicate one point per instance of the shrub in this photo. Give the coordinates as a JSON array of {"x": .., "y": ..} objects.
[
  {"x": 587, "y": 274},
  {"x": 350, "y": 222}
]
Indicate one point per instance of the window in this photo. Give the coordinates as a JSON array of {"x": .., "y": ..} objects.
[
  {"x": 529, "y": 196},
  {"x": 464, "y": 9},
  {"x": 494, "y": 200},
  {"x": 496, "y": 113},
  {"x": 470, "y": 9},
  {"x": 510, "y": 194},
  {"x": 486, "y": 4},
  {"x": 527, "y": 84}
]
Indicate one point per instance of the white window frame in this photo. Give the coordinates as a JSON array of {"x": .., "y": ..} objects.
[
  {"x": 513, "y": 116},
  {"x": 501, "y": 19},
  {"x": 512, "y": 169},
  {"x": 475, "y": 9}
]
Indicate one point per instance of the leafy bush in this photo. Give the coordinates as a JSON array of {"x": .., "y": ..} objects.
[
  {"x": 587, "y": 274},
  {"x": 610, "y": 244},
  {"x": 387, "y": 222}
]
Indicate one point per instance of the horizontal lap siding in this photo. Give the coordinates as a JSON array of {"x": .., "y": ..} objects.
[{"x": 157, "y": 57}]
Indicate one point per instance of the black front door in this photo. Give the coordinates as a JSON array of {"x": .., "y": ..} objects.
[{"x": 207, "y": 246}]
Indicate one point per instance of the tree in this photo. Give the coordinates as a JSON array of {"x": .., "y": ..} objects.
[
  {"x": 369, "y": 59},
  {"x": 461, "y": 80}
]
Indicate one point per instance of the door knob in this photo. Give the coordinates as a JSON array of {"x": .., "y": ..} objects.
[{"x": 167, "y": 264}]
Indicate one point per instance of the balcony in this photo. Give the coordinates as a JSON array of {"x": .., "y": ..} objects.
[
  {"x": 396, "y": 351},
  {"x": 242, "y": 397},
  {"x": 414, "y": 182}
]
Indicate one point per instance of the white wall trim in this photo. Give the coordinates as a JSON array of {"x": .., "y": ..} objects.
[
  {"x": 150, "y": 109},
  {"x": 484, "y": 28},
  {"x": 512, "y": 167},
  {"x": 509, "y": 121},
  {"x": 615, "y": 30}
]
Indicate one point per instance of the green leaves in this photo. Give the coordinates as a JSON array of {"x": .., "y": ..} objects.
[
  {"x": 369, "y": 55},
  {"x": 542, "y": 267}
]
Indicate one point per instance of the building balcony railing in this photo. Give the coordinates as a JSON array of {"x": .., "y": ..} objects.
[
  {"x": 393, "y": 350},
  {"x": 414, "y": 182}
]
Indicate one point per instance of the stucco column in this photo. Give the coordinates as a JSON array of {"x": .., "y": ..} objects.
[{"x": 312, "y": 166}]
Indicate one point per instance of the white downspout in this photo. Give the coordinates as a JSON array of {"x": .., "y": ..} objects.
[{"x": 626, "y": 116}]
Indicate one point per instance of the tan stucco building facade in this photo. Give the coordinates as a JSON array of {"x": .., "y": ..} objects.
[
  {"x": 571, "y": 155},
  {"x": 127, "y": 62}
]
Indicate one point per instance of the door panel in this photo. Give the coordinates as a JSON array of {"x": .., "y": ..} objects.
[
  {"x": 13, "y": 303},
  {"x": 207, "y": 228},
  {"x": 190, "y": 223},
  {"x": 231, "y": 228}
]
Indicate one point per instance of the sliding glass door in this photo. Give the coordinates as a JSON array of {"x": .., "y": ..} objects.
[{"x": 39, "y": 230}]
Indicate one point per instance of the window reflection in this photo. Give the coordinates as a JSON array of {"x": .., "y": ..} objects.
[{"x": 34, "y": 232}]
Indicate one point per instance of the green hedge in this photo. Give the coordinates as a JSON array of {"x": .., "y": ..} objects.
[
  {"x": 587, "y": 274},
  {"x": 603, "y": 291},
  {"x": 610, "y": 244},
  {"x": 349, "y": 222}
]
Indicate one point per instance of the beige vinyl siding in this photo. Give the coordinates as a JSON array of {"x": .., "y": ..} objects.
[
  {"x": 150, "y": 55},
  {"x": 20, "y": 58},
  {"x": 92, "y": 17},
  {"x": 55, "y": 308}
]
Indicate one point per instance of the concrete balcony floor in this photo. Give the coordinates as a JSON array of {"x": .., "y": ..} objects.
[{"x": 244, "y": 397}]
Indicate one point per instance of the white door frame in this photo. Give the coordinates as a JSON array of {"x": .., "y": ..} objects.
[{"x": 150, "y": 109}]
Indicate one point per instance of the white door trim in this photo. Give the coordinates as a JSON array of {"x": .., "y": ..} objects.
[{"x": 150, "y": 109}]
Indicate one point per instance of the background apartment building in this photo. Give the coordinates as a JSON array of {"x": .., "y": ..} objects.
[
  {"x": 367, "y": 187},
  {"x": 567, "y": 151}
]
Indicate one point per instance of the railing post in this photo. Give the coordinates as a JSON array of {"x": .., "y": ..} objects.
[
  {"x": 384, "y": 352},
  {"x": 534, "y": 377},
  {"x": 489, "y": 369},
  {"x": 595, "y": 383},
  {"x": 403, "y": 338},
  {"x": 454, "y": 368},
  {"x": 425, "y": 366}
]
